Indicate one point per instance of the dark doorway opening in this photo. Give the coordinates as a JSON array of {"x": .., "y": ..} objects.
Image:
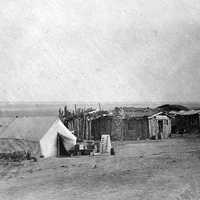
[
  {"x": 160, "y": 128},
  {"x": 61, "y": 151}
]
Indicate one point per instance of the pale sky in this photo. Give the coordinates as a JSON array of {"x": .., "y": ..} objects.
[{"x": 103, "y": 50}]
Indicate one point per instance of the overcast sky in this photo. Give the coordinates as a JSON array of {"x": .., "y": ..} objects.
[{"x": 103, "y": 50}]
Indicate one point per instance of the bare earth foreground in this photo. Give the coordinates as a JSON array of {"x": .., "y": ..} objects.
[{"x": 167, "y": 169}]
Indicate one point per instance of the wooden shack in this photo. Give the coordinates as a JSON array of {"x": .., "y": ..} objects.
[
  {"x": 134, "y": 123},
  {"x": 185, "y": 121},
  {"x": 159, "y": 126}
]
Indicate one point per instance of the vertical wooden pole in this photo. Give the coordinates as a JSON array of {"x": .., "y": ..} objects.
[{"x": 86, "y": 128}]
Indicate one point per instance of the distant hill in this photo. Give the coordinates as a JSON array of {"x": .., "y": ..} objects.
[
  {"x": 51, "y": 108},
  {"x": 171, "y": 107}
]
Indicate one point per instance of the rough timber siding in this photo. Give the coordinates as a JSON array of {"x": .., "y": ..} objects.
[
  {"x": 153, "y": 127},
  {"x": 101, "y": 126},
  {"x": 188, "y": 122},
  {"x": 136, "y": 128},
  {"x": 117, "y": 127},
  {"x": 167, "y": 129}
]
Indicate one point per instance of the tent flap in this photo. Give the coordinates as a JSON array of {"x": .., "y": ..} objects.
[{"x": 68, "y": 143}]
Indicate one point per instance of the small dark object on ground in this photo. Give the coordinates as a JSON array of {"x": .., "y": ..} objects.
[
  {"x": 34, "y": 159},
  {"x": 112, "y": 151},
  {"x": 28, "y": 155},
  {"x": 153, "y": 137},
  {"x": 65, "y": 166}
]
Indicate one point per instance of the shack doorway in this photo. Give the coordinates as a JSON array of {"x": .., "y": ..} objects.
[{"x": 160, "y": 129}]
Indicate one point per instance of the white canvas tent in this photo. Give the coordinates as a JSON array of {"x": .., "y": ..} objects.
[{"x": 41, "y": 131}]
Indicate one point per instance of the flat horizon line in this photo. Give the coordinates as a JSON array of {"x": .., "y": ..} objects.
[{"x": 86, "y": 102}]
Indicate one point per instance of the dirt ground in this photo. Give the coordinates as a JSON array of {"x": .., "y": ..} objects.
[{"x": 167, "y": 169}]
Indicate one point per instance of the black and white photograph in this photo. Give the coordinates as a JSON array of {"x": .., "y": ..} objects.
[{"x": 99, "y": 99}]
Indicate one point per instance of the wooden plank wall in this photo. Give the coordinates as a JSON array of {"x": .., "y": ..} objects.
[
  {"x": 136, "y": 129},
  {"x": 101, "y": 126}
]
